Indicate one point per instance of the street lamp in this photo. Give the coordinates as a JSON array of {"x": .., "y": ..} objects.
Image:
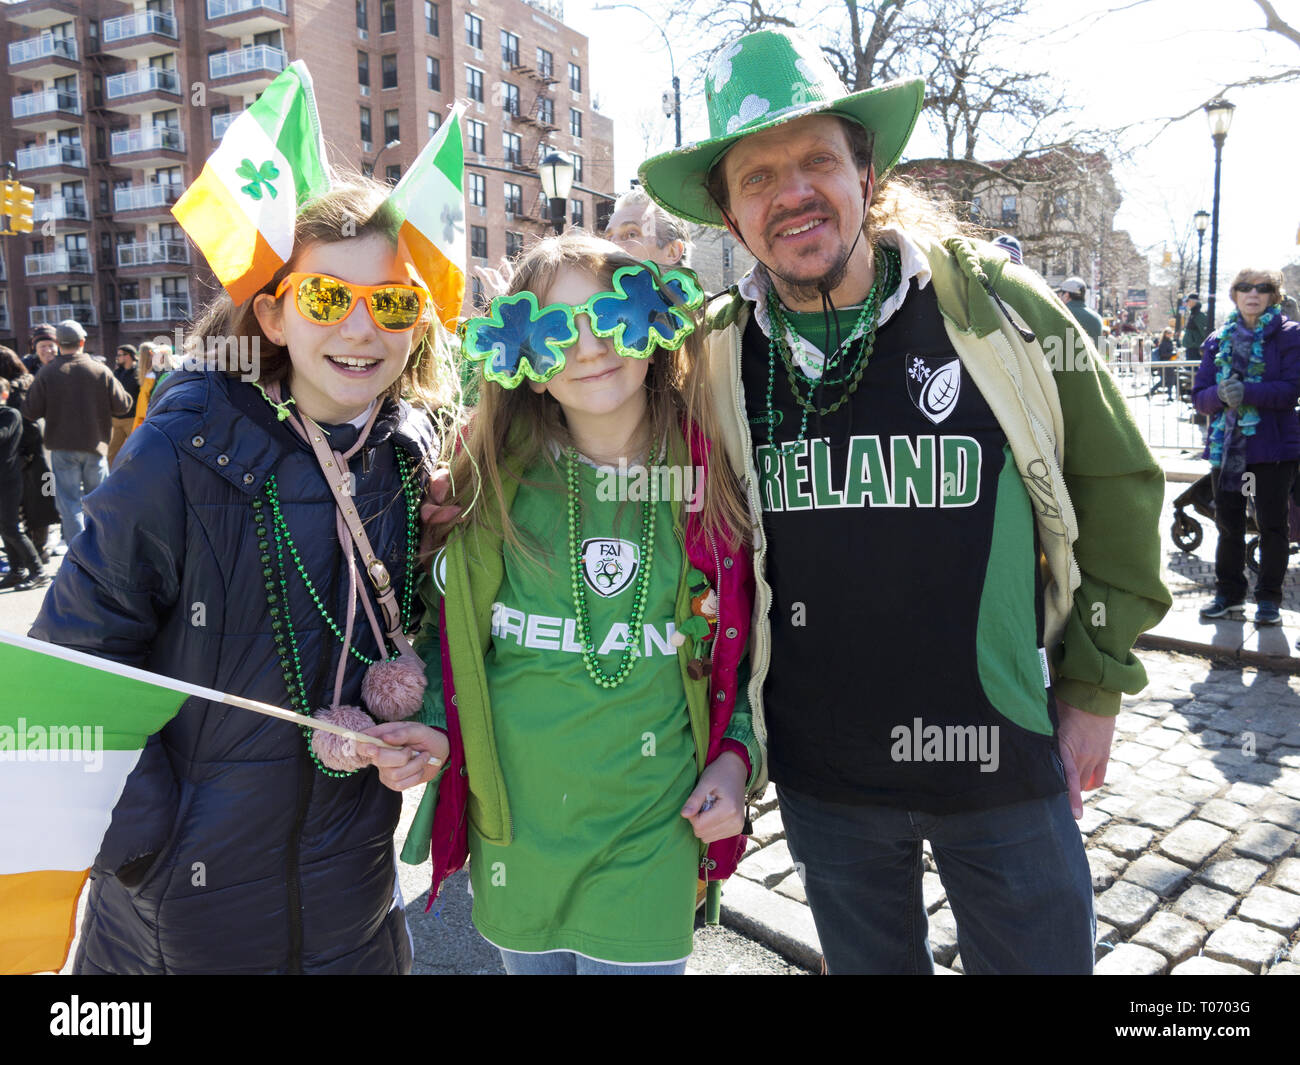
[
  {"x": 1219, "y": 114},
  {"x": 556, "y": 173},
  {"x": 1202, "y": 219},
  {"x": 374, "y": 167},
  {"x": 676, "y": 102}
]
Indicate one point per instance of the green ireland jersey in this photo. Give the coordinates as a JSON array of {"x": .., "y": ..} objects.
[{"x": 601, "y": 861}]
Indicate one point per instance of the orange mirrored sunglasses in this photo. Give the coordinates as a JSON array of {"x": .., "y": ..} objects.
[{"x": 325, "y": 300}]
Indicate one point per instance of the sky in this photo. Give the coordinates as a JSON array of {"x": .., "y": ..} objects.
[{"x": 1136, "y": 66}]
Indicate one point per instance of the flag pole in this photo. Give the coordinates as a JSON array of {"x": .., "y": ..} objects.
[{"x": 106, "y": 665}]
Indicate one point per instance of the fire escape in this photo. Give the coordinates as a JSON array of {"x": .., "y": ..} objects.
[{"x": 536, "y": 121}]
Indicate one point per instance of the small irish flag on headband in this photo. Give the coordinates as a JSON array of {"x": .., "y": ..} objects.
[
  {"x": 430, "y": 200},
  {"x": 240, "y": 211}
]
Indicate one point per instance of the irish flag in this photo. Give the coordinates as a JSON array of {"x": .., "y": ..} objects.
[
  {"x": 240, "y": 210},
  {"x": 430, "y": 200},
  {"x": 72, "y": 727}
]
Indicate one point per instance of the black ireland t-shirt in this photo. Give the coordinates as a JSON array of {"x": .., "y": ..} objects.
[{"x": 906, "y": 617}]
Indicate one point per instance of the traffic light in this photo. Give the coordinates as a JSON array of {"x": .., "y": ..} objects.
[
  {"x": 6, "y": 200},
  {"x": 21, "y": 202}
]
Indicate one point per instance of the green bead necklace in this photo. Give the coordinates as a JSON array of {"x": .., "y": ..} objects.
[
  {"x": 277, "y": 594},
  {"x": 784, "y": 338},
  {"x": 633, "y": 649}
]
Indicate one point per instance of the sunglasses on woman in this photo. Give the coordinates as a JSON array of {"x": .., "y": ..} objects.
[
  {"x": 1264, "y": 288},
  {"x": 325, "y": 300}
]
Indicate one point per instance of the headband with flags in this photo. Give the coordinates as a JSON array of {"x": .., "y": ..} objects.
[{"x": 241, "y": 209}]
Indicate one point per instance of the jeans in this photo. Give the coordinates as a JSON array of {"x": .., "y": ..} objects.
[
  {"x": 1272, "y": 494},
  {"x": 1016, "y": 877},
  {"x": 567, "y": 963},
  {"x": 75, "y": 473}
]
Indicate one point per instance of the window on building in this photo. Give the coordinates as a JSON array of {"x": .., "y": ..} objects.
[
  {"x": 387, "y": 16},
  {"x": 575, "y": 212},
  {"x": 363, "y": 72},
  {"x": 478, "y": 190},
  {"x": 430, "y": 18},
  {"x": 388, "y": 65},
  {"x": 514, "y": 244},
  {"x": 365, "y": 125},
  {"x": 393, "y": 173},
  {"x": 726, "y": 257},
  {"x": 363, "y": 17},
  {"x": 474, "y": 84},
  {"x": 575, "y": 123},
  {"x": 514, "y": 198},
  {"x": 510, "y": 98},
  {"x": 473, "y": 30},
  {"x": 577, "y": 168},
  {"x": 1008, "y": 209},
  {"x": 545, "y": 63},
  {"x": 477, "y": 298},
  {"x": 514, "y": 148},
  {"x": 433, "y": 73},
  {"x": 575, "y": 77},
  {"x": 435, "y": 120},
  {"x": 477, "y": 136},
  {"x": 392, "y": 131},
  {"x": 1062, "y": 204},
  {"x": 976, "y": 206},
  {"x": 546, "y": 110},
  {"x": 509, "y": 49},
  {"x": 478, "y": 242}
]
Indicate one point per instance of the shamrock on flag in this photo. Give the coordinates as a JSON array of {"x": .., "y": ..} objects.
[{"x": 240, "y": 211}]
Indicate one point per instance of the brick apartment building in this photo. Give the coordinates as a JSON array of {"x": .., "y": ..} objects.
[{"x": 115, "y": 106}]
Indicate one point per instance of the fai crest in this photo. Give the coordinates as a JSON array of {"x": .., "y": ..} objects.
[
  {"x": 609, "y": 565},
  {"x": 439, "y": 569},
  {"x": 934, "y": 383}
]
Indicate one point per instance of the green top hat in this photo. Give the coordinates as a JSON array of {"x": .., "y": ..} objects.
[{"x": 760, "y": 81}]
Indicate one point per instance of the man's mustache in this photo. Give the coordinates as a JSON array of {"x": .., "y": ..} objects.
[{"x": 817, "y": 206}]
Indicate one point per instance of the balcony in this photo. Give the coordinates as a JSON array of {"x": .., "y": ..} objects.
[
  {"x": 42, "y": 57},
  {"x": 153, "y": 253},
  {"x": 41, "y": 14},
  {"x": 78, "y": 312},
  {"x": 61, "y": 209},
  {"x": 146, "y": 201},
  {"x": 57, "y": 262},
  {"x": 246, "y": 71},
  {"x": 144, "y": 90},
  {"x": 148, "y": 146},
  {"x": 221, "y": 123},
  {"x": 159, "y": 309},
  {"x": 52, "y": 162},
  {"x": 243, "y": 18},
  {"x": 138, "y": 36},
  {"x": 47, "y": 109}
]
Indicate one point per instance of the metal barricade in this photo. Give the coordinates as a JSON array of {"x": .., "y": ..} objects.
[{"x": 1160, "y": 396}]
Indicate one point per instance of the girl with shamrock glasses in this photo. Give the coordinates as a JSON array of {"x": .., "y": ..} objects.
[
  {"x": 218, "y": 552},
  {"x": 586, "y": 625}
]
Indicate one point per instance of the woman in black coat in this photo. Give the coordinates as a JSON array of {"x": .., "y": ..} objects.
[{"x": 211, "y": 554}]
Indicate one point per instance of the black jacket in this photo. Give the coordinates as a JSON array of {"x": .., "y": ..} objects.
[{"x": 228, "y": 850}]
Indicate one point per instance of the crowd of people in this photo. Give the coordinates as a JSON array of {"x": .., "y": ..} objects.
[
  {"x": 71, "y": 416},
  {"x": 591, "y": 681}
]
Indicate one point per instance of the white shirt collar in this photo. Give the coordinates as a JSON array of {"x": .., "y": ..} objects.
[{"x": 755, "y": 284}]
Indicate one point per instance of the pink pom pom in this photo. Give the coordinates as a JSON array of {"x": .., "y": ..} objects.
[
  {"x": 339, "y": 752},
  {"x": 394, "y": 688}
]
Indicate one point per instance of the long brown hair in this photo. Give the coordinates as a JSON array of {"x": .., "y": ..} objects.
[
  {"x": 514, "y": 428},
  {"x": 354, "y": 206}
]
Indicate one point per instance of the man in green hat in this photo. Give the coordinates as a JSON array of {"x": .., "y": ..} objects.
[{"x": 956, "y": 525}]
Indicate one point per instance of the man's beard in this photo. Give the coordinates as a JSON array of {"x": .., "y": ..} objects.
[{"x": 808, "y": 290}]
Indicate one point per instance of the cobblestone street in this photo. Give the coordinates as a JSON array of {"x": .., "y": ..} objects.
[{"x": 1191, "y": 841}]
